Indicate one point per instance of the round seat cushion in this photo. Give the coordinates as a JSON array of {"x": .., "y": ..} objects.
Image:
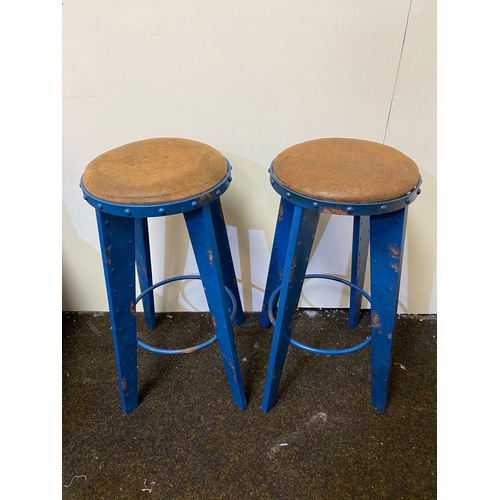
[
  {"x": 155, "y": 171},
  {"x": 346, "y": 170}
]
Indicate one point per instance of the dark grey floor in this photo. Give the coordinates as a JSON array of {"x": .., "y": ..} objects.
[{"x": 187, "y": 440}]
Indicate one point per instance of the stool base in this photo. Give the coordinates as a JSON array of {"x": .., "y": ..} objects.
[
  {"x": 125, "y": 246},
  {"x": 294, "y": 235}
]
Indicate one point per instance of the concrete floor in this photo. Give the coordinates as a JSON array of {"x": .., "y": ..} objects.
[{"x": 187, "y": 440}]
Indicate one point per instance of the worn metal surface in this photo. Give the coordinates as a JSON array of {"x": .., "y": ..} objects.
[
  {"x": 386, "y": 250},
  {"x": 302, "y": 230},
  {"x": 386, "y": 236},
  {"x": 201, "y": 230},
  {"x": 360, "y": 245},
  {"x": 144, "y": 271},
  {"x": 278, "y": 254},
  {"x": 117, "y": 237},
  {"x": 226, "y": 259}
]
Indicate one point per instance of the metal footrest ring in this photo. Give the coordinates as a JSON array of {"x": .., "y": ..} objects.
[
  {"x": 187, "y": 350},
  {"x": 329, "y": 352}
]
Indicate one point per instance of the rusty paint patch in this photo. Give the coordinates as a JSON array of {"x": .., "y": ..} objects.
[
  {"x": 132, "y": 309},
  {"x": 334, "y": 211},
  {"x": 394, "y": 251},
  {"x": 389, "y": 336},
  {"x": 190, "y": 350},
  {"x": 292, "y": 271},
  {"x": 124, "y": 384},
  {"x": 375, "y": 320},
  {"x": 107, "y": 251},
  {"x": 210, "y": 257},
  {"x": 281, "y": 212},
  {"x": 214, "y": 322},
  {"x": 274, "y": 374}
]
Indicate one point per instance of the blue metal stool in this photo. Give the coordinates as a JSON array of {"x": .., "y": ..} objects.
[
  {"x": 373, "y": 183},
  {"x": 153, "y": 178}
]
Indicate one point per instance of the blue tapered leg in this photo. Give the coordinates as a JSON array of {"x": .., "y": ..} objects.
[
  {"x": 303, "y": 229},
  {"x": 117, "y": 249},
  {"x": 201, "y": 232},
  {"x": 144, "y": 273},
  {"x": 278, "y": 254},
  {"x": 225, "y": 257},
  {"x": 386, "y": 251},
  {"x": 360, "y": 244}
]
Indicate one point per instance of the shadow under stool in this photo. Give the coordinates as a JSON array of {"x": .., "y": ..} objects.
[
  {"x": 155, "y": 178},
  {"x": 374, "y": 184}
]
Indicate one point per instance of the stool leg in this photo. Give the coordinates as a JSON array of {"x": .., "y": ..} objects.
[
  {"x": 117, "y": 249},
  {"x": 203, "y": 239},
  {"x": 303, "y": 229},
  {"x": 225, "y": 257},
  {"x": 144, "y": 273},
  {"x": 360, "y": 243},
  {"x": 278, "y": 254},
  {"x": 386, "y": 250}
]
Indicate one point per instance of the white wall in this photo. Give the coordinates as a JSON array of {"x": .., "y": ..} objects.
[{"x": 250, "y": 78}]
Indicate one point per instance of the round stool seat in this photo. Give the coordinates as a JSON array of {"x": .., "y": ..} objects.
[
  {"x": 155, "y": 171},
  {"x": 346, "y": 171}
]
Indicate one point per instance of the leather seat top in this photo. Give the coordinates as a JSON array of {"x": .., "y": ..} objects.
[
  {"x": 346, "y": 170},
  {"x": 155, "y": 171}
]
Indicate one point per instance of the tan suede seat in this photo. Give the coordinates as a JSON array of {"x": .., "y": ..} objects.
[
  {"x": 346, "y": 171},
  {"x": 155, "y": 171}
]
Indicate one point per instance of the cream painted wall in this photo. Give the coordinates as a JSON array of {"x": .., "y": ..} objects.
[{"x": 250, "y": 79}]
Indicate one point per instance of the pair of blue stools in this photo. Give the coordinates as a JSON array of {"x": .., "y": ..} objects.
[{"x": 371, "y": 182}]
